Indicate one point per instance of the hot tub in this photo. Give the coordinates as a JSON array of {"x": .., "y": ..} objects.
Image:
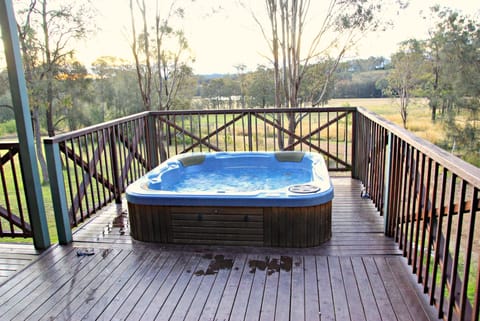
[{"x": 280, "y": 199}]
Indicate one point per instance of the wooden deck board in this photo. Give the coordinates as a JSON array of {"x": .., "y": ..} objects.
[
  {"x": 146, "y": 283},
  {"x": 365, "y": 289},
  {"x": 358, "y": 275},
  {"x": 283, "y": 311},
  {"x": 380, "y": 291},
  {"x": 355, "y": 306},
  {"x": 254, "y": 305},
  {"x": 14, "y": 257},
  {"x": 327, "y": 311},
  {"x": 340, "y": 303}
]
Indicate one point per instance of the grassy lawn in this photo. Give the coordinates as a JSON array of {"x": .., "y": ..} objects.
[{"x": 418, "y": 120}]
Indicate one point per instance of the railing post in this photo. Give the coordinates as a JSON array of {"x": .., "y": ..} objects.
[
  {"x": 250, "y": 136},
  {"x": 152, "y": 142},
  {"x": 115, "y": 168},
  {"x": 355, "y": 138},
  {"x": 18, "y": 89},
  {"x": 57, "y": 188},
  {"x": 386, "y": 185}
]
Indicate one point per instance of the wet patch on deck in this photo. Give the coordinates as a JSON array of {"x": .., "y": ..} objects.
[
  {"x": 219, "y": 262},
  {"x": 271, "y": 265}
]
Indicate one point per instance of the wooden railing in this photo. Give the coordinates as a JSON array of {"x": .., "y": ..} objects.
[
  {"x": 90, "y": 168},
  {"x": 94, "y": 165},
  {"x": 322, "y": 130},
  {"x": 428, "y": 197},
  {"x": 430, "y": 200},
  {"x": 14, "y": 220}
]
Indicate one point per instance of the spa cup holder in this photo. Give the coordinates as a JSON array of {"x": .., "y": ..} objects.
[{"x": 304, "y": 188}]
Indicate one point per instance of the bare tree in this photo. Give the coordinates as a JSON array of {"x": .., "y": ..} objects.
[
  {"x": 410, "y": 70},
  {"x": 161, "y": 60},
  {"x": 243, "y": 84},
  {"x": 47, "y": 29},
  {"x": 337, "y": 28},
  {"x": 143, "y": 66},
  {"x": 53, "y": 26},
  {"x": 161, "y": 54}
]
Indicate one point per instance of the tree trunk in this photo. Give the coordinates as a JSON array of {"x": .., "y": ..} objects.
[
  {"x": 48, "y": 71},
  {"x": 161, "y": 145},
  {"x": 291, "y": 128},
  {"x": 434, "y": 112},
  {"x": 39, "y": 145},
  {"x": 49, "y": 111},
  {"x": 281, "y": 142}
]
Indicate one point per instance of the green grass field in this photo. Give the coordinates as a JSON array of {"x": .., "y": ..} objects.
[{"x": 418, "y": 120}]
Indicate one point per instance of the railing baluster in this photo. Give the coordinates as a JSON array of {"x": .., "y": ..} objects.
[
  {"x": 300, "y": 124},
  {"x": 375, "y": 164},
  {"x": 249, "y": 132},
  {"x": 438, "y": 244},
  {"x": 328, "y": 138},
  {"x": 115, "y": 164},
  {"x": 411, "y": 202},
  {"x": 102, "y": 199},
  {"x": 456, "y": 252},
  {"x": 406, "y": 202},
  {"x": 402, "y": 161},
  {"x": 420, "y": 174},
  {"x": 464, "y": 303},
  {"x": 217, "y": 143},
  {"x": 423, "y": 209},
  {"x": 337, "y": 134},
  {"x": 97, "y": 156},
  {"x": 7, "y": 200},
  {"x": 476, "y": 300},
  {"x": 446, "y": 246},
  {"x": 431, "y": 212},
  {"x": 256, "y": 131},
  {"x": 208, "y": 130},
  {"x": 393, "y": 203},
  {"x": 345, "y": 135},
  {"x": 25, "y": 228},
  {"x": 104, "y": 165},
  {"x": 87, "y": 177}
]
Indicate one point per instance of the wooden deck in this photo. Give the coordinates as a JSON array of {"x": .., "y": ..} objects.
[
  {"x": 14, "y": 257},
  {"x": 358, "y": 275}
]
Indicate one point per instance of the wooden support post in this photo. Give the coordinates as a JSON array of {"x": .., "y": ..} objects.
[
  {"x": 152, "y": 142},
  {"x": 386, "y": 185},
  {"x": 114, "y": 160},
  {"x": 250, "y": 133},
  {"x": 57, "y": 188},
  {"x": 18, "y": 89},
  {"x": 354, "y": 145}
]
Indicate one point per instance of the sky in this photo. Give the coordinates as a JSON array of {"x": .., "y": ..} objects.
[{"x": 222, "y": 34}]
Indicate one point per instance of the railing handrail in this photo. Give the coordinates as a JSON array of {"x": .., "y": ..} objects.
[
  {"x": 89, "y": 129},
  {"x": 468, "y": 172},
  {"x": 461, "y": 168},
  {"x": 7, "y": 145},
  {"x": 251, "y": 110},
  {"x": 82, "y": 131}
]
